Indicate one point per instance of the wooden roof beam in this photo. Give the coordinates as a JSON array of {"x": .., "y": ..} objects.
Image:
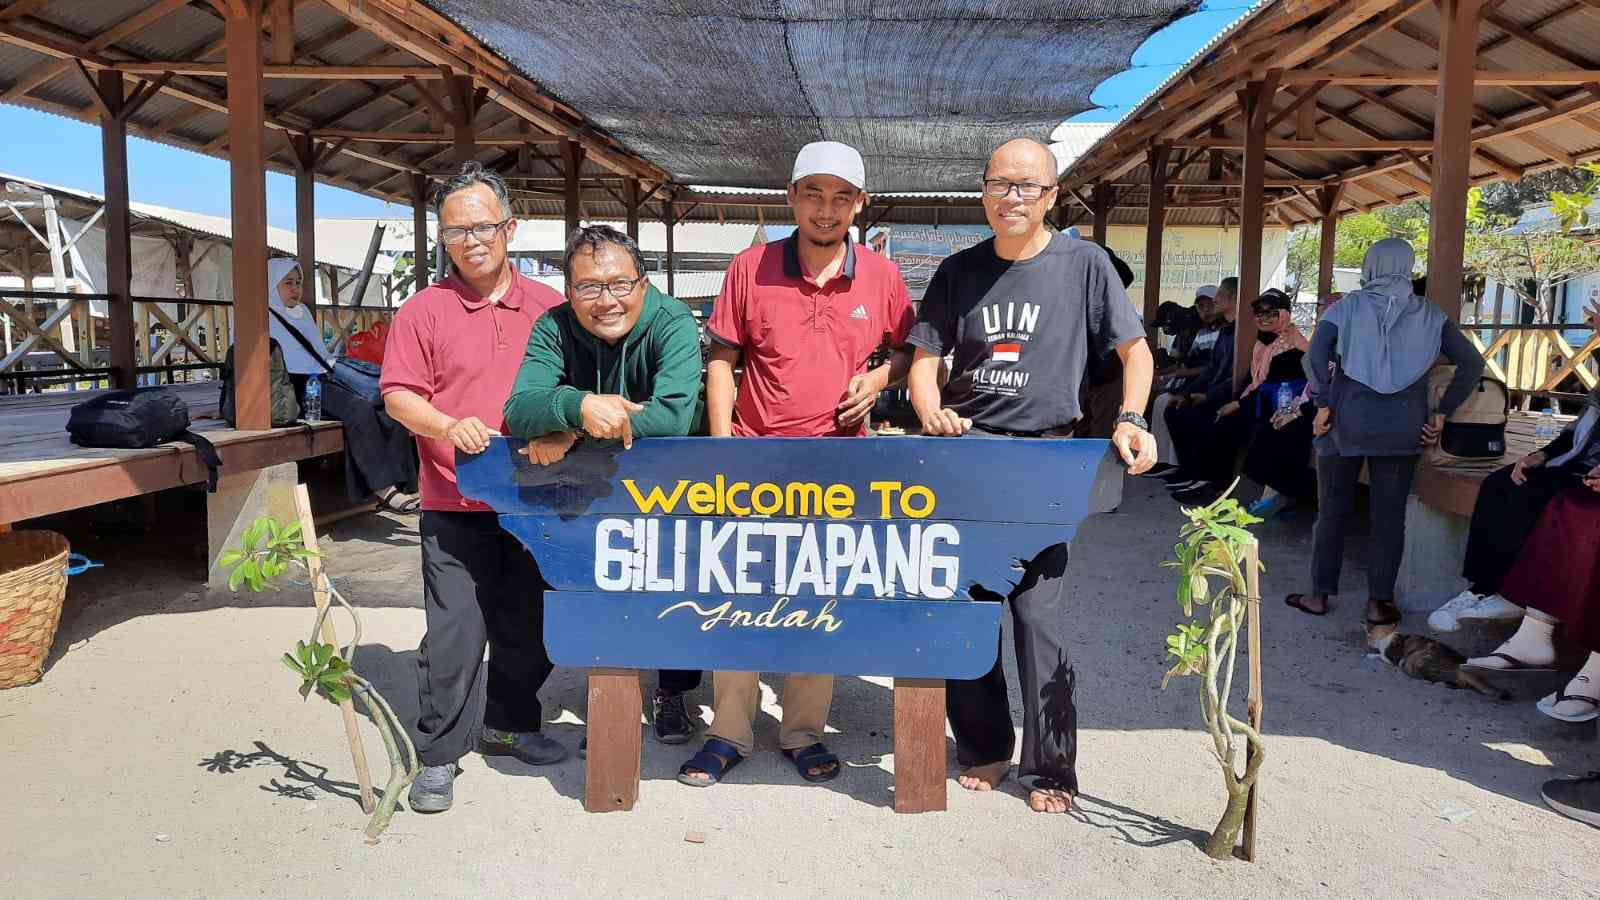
[
  {"x": 1430, "y": 77},
  {"x": 126, "y": 28},
  {"x": 314, "y": 72},
  {"x": 1321, "y": 145}
]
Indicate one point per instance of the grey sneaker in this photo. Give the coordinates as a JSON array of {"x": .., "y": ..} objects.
[
  {"x": 1575, "y": 798},
  {"x": 434, "y": 789},
  {"x": 531, "y": 747}
]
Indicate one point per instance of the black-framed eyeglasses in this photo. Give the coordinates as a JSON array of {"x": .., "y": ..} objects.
[
  {"x": 998, "y": 188},
  {"x": 482, "y": 233},
  {"x": 591, "y": 290},
  {"x": 1266, "y": 313}
]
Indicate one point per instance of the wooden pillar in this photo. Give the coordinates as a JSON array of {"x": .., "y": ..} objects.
[
  {"x": 1256, "y": 102},
  {"x": 616, "y": 739},
  {"x": 1452, "y": 151},
  {"x": 1102, "y": 200},
  {"x": 919, "y": 763},
  {"x": 1155, "y": 226},
  {"x": 463, "y": 111},
  {"x": 631, "y": 195},
  {"x": 305, "y": 212},
  {"x": 119, "y": 252},
  {"x": 419, "y": 224},
  {"x": 247, "y": 166},
  {"x": 669, "y": 218},
  {"x": 1328, "y": 200},
  {"x": 572, "y": 171}
]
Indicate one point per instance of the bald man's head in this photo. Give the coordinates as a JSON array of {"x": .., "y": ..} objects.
[{"x": 1035, "y": 155}]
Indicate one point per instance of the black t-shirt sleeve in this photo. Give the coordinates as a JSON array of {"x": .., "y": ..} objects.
[
  {"x": 935, "y": 329},
  {"x": 1112, "y": 318}
]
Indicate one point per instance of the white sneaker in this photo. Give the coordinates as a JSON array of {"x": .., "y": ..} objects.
[
  {"x": 1494, "y": 607},
  {"x": 1446, "y": 617}
]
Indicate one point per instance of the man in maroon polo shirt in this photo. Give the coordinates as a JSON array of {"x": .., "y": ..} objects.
[
  {"x": 451, "y": 359},
  {"x": 805, "y": 313}
]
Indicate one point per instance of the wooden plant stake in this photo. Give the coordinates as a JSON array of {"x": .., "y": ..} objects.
[
  {"x": 616, "y": 739},
  {"x": 319, "y": 593},
  {"x": 919, "y": 763},
  {"x": 1255, "y": 702}
]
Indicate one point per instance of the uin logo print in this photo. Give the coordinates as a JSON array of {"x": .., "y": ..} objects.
[{"x": 1012, "y": 320}]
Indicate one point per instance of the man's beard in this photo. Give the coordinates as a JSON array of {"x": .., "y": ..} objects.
[{"x": 824, "y": 242}]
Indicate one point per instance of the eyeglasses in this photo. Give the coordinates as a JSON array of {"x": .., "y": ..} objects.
[
  {"x": 482, "y": 233},
  {"x": 998, "y": 188},
  {"x": 1267, "y": 313},
  {"x": 591, "y": 290}
]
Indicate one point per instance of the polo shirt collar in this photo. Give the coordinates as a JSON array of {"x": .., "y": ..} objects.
[
  {"x": 791, "y": 258},
  {"x": 474, "y": 301}
]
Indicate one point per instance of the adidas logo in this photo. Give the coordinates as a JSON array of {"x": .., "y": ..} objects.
[{"x": 860, "y": 312}]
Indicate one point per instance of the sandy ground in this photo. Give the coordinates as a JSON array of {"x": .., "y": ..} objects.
[{"x": 166, "y": 752}]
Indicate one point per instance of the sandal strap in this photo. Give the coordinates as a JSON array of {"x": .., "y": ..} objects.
[
  {"x": 813, "y": 756},
  {"x": 715, "y": 758},
  {"x": 1562, "y": 698}
]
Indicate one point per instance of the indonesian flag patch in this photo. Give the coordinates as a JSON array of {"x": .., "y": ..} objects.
[{"x": 1006, "y": 352}]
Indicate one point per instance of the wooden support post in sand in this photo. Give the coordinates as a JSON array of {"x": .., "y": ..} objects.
[
  {"x": 1253, "y": 705},
  {"x": 919, "y": 765},
  {"x": 319, "y": 593},
  {"x": 616, "y": 739}
]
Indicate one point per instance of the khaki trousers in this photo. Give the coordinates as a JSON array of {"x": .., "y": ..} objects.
[{"x": 737, "y": 697}]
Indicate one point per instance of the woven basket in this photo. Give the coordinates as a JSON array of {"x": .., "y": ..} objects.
[{"x": 33, "y": 582}]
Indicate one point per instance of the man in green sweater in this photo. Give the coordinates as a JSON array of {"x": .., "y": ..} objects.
[{"x": 618, "y": 360}]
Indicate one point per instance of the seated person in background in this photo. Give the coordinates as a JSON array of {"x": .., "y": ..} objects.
[
  {"x": 1213, "y": 446},
  {"x": 1279, "y": 458},
  {"x": 292, "y": 324},
  {"x": 618, "y": 360},
  {"x": 1187, "y": 378},
  {"x": 1181, "y": 324}
]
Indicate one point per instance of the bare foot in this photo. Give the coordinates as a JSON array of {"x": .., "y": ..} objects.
[
  {"x": 1049, "y": 800},
  {"x": 984, "y": 778}
]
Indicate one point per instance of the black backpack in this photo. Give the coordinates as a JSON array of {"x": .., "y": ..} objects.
[
  {"x": 140, "y": 418},
  {"x": 285, "y": 406}
]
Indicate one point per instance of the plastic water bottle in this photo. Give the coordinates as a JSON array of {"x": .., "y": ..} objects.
[
  {"x": 1285, "y": 398},
  {"x": 1547, "y": 430},
  {"x": 313, "y": 399}
]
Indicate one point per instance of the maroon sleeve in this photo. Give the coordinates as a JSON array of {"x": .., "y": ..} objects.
[
  {"x": 408, "y": 356},
  {"x": 900, "y": 316},
  {"x": 726, "y": 325}
]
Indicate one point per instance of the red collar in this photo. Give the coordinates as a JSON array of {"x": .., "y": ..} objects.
[{"x": 473, "y": 301}]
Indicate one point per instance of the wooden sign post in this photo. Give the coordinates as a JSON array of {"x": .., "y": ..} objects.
[
  {"x": 830, "y": 556},
  {"x": 1253, "y": 703}
]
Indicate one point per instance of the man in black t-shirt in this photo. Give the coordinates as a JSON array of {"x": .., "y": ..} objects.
[{"x": 1022, "y": 312}]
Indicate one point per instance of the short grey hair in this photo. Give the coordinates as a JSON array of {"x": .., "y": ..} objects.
[
  {"x": 471, "y": 174},
  {"x": 591, "y": 238}
]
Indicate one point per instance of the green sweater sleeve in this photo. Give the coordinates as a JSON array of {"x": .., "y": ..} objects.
[
  {"x": 541, "y": 402},
  {"x": 670, "y": 411}
]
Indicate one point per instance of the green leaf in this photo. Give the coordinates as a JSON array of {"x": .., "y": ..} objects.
[
  {"x": 293, "y": 664},
  {"x": 236, "y": 578},
  {"x": 229, "y": 559}
]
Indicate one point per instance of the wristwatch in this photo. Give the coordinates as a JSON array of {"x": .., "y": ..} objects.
[{"x": 1134, "y": 419}]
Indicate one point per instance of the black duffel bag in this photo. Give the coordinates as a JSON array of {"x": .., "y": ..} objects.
[{"x": 140, "y": 418}]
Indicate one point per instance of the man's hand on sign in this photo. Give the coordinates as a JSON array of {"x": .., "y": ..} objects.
[
  {"x": 1323, "y": 423},
  {"x": 860, "y": 395},
  {"x": 469, "y": 434},
  {"x": 551, "y": 448},
  {"x": 1519, "y": 472},
  {"x": 1136, "y": 446},
  {"x": 606, "y": 416},
  {"x": 946, "y": 423}
]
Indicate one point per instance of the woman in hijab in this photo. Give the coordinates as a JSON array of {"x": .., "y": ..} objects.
[
  {"x": 1374, "y": 411},
  {"x": 293, "y": 326}
]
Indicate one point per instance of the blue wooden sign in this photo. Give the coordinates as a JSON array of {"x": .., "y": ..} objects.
[{"x": 831, "y": 555}]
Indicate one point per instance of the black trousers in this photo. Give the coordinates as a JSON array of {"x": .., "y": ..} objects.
[
  {"x": 480, "y": 588},
  {"x": 1390, "y": 480},
  {"x": 1207, "y": 448},
  {"x": 1502, "y": 519},
  {"x": 979, "y": 710},
  {"x": 1280, "y": 458}
]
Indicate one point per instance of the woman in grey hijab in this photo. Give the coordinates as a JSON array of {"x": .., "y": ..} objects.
[{"x": 1368, "y": 372}]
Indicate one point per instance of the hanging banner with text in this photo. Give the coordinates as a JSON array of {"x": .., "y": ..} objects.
[{"x": 859, "y": 556}]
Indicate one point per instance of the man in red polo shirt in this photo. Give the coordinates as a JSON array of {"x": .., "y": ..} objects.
[
  {"x": 451, "y": 359},
  {"x": 805, "y": 313}
]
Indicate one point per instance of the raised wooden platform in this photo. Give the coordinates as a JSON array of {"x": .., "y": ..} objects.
[
  {"x": 42, "y": 472},
  {"x": 1455, "y": 491}
]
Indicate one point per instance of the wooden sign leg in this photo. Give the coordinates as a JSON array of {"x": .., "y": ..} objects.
[
  {"x": 1255, "y": 701},
  {"x": 611, "y": 778},
  {"x": 919, "y": 764},
  {"x": 319, "y": 595}
]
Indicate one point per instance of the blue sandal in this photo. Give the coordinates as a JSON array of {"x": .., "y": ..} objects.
[
  {"x": 716, "y": 759},
  {"x": 815, "y": 756}
]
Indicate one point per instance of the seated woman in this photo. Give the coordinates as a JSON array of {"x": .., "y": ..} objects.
[
  {"x": 292, "y": 325},
  {"x": 1216, "y": 444},
  {"x": 1279, "y": 458}
]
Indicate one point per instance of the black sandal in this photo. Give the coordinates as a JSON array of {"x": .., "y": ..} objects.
[
  {"x": 815, "y": 756},
  {"x": 1391, "y": 614},
  {"x": 1296, "y": 601},
  {"x": 405, "y": 507}
]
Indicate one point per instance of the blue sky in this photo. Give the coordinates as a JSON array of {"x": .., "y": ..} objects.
[{"x": 67, "y": 152}]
